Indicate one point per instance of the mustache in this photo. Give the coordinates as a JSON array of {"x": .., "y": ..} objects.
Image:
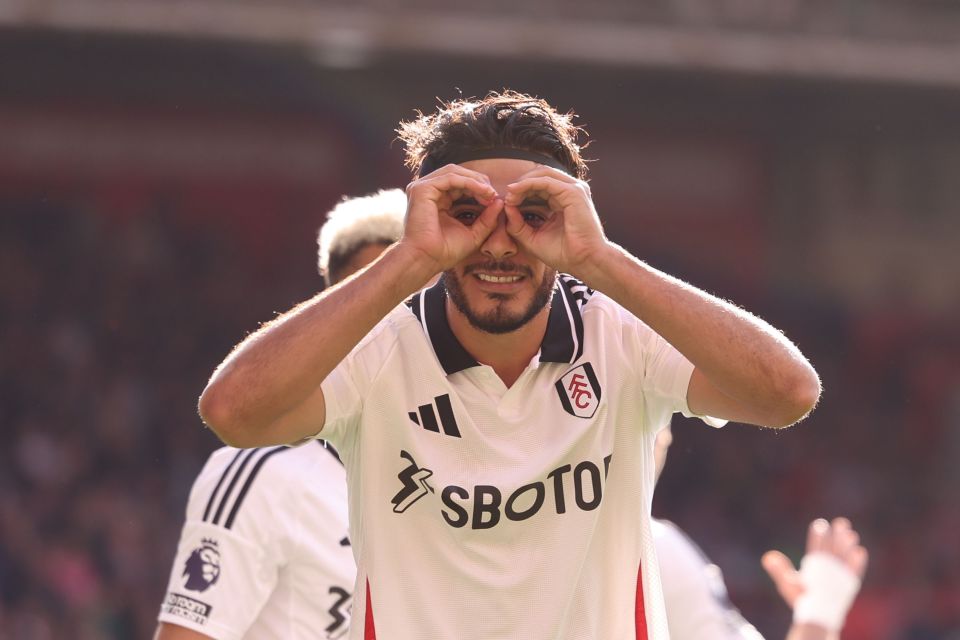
[{"x": 498, "y": 266}]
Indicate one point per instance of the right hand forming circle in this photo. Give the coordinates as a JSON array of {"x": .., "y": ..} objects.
[{"x": 441, "y": 223}]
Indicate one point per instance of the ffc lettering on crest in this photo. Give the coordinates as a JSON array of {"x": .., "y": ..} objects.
[{"x": 579, "y": 391}]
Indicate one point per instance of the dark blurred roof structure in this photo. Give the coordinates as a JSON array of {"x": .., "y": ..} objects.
[{"x": 891, "y": 41}]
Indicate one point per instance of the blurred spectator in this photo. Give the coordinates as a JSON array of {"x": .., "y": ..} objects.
[{"x": 110, "y": 322}]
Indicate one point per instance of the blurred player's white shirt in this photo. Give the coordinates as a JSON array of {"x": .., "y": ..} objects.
[
  {"x": 698, "y": 607},
  {"x": 264, "y": 552},
  {"x": 481, "y": 512}
]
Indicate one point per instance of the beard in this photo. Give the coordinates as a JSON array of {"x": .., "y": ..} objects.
[{"x": 499, "y": 319}]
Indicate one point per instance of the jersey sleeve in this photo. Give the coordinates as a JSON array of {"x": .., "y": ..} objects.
[
  {"x": 694, "y": 593},
  {"x": 222, "y": 574},
  {"x": 218, "y": 583},
  {"x": 664, "y": 371},
  {"x": 343, "y": 399},
  {"x": 345, "y": 388}
]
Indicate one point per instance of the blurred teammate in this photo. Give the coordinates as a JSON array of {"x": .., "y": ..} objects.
[
  {"x": 820, "y": 594},
  {"x": 264, "y": 552},
  {"x": 498, "y": 429}
]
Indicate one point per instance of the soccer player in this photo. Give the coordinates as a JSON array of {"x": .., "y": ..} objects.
[
  {"x": 264, "y": 551},
  {"x": 498, "y": 427},
  {"x": 820, "y": 594}
]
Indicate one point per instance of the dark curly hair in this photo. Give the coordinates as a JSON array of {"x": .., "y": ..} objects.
[{"x": 508, "y": 120}]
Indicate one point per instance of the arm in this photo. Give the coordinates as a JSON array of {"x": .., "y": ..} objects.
[
  {"x": 745, "y": 370},
  {"x": 242, "y": 552},
  {"x": 810, "y": 632},
  {"x": 167, "y": 631},
  {"x": 201, "y": 596},
  {"x": 267, "y": 391},
  {"x": 820, "y": 593}
]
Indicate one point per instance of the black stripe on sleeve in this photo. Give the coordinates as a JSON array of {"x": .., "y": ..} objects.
[
  {"x": 249, "y": 483},
  {"x": 213, "y": 494},
  {"x": 233, "y": 483}
]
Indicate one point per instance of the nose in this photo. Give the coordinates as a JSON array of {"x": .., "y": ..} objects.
[{"x": 499, "y": 244}]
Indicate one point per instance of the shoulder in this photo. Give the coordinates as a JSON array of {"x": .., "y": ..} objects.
[
  {"x": 675, "y": 547},
  {"x": 687, "y": 571},
  {"x": 695, "y": 595},
  {"x": 577, "y": 291},
  {"x": 234, "y": 480},
  {"x": 595, "y": 306},
  {"x": 400, "y": 325},
  {"x": 684, "y": 567},
  {"x": 606, "y": 322},
  {"x": 588, "y": 309}
]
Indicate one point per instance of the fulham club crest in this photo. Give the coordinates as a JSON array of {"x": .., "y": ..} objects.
[{"x": 579, "y": 391}]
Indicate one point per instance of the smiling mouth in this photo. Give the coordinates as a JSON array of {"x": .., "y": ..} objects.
[{"x": 485, "y": 277}]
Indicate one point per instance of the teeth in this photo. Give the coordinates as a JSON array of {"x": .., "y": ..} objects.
[{"x": 488, "y": 278}]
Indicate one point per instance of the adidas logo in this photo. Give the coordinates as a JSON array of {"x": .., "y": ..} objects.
[{"x": 426, "y": 417}]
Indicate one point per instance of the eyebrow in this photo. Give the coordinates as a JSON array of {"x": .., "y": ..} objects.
[
  {"x": 527, "y": 202},
  {"x": 533, "y": 202}
]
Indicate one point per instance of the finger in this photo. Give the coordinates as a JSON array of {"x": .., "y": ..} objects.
[
  {"x": 853, "y": 538},
  {"x": 857, "y": 560},
  {"x": 516, "y": 225},
  {"x": 844, "y": 537},
  {"x": 458, "y": 169},
  {"x": 454, "y": 181},
  {"x": 548, "y": 185},
  {"x": 818, "y": 536},
  {"x": 543, "y": 170},
  {"x": 784, "y": 575},
  {"x": 487, "y": 221},
  {"x": 515, "y": 222}
]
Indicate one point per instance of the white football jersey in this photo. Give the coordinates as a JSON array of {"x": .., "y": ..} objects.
[
  {"x": 264, "y": 551},
  {"x": 482, "y": 512},
  {"x": 696, "y": 598}
]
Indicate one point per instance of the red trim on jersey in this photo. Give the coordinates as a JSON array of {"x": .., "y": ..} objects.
[
  {"x": 369, "y": 631},
  {"x": 641, "y": 612}
]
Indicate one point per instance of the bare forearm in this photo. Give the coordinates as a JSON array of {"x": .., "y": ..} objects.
[
  {"x": 279, "y": 366},
  {"x": 740, "y": 355},
  {"x": 810, "y": 632}
]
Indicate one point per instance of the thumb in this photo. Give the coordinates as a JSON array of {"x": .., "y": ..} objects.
[
  {"x": 487, "y": 221},
  {"x": 516, "y": 226},
  {"x": 784, "y": 576}
]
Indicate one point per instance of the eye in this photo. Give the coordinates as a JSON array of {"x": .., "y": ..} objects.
[
  {"x": 466, "y": 215},
  {"x": 534, "y": 218}
]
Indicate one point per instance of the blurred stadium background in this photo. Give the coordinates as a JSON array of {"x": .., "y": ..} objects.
[{"x": 164, "y": 167}]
